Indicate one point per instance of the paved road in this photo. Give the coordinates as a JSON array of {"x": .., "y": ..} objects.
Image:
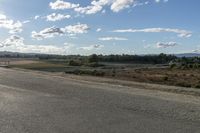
[{"x": 39, "y": 103}]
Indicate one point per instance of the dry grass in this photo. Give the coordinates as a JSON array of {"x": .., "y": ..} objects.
[
  {"x": 158, "y": 75},
  {"x": 177, "y": 77}
]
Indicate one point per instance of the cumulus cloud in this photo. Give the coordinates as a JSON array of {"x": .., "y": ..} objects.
[
  {"x": 37, "y": 17},
  {"x": 26, "y": 21},
  {"x": 181, "y": 33},
  {"x": 196, "y": 51},
  {"x": 12, "y": 40},
  {"x": 11, "y": 25},
  {"x": 166, "y": 45},
  {"x": 119, "y": 5},
  {"x": 76, "y": 29},
  {"x": 158, "y": 1},
  {"x": 47, "y": 33},
  {"x": 97, "y": 6},
  {"x": 57, "y": 17},
  {"x": 113, "y": 39},
  {"x": 61, "y": 5},
  {"x": 94, "y": 7},
  {"x": 70, "y": 30},
  {"x": 89, "y": 9},
  {"x": 92, "y": 47},
  {"x": 98, "y": 30},
  {"x": 16, "y": 44}
]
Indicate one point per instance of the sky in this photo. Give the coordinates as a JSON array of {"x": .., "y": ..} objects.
[{"x": 100, "y": 26}]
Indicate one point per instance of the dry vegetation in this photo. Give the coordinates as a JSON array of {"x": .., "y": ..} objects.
[
  {"x": 132, "y": 72},
  {"x": 177, "y": 77}
]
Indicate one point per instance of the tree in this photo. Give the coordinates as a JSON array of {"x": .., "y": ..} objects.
[{"x": 93, "y": 58}]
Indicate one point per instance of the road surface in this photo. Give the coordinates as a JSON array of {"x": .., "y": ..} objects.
[{"x": 39, "y": 103}]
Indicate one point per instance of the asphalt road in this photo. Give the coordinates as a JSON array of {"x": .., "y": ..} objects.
[{"x": 39, "y": 103}]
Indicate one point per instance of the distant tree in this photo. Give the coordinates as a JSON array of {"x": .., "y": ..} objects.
[{"x": 93, "y": 58}]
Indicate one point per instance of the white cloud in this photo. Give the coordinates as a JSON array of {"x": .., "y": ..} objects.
[
  {"x": 57, "y": 17},
  {"x": 113, "y": 38},
  {"x": 166, "y": 45},
  {"x": 76, "y": 29},
  {"x": 92, "y": 47},
  {"x": 11, "y": 25},
  {"x": 196, "y": 51},
  {"x": 36, "y": 17},
  {"x": 98, "y": 30},
  {"x": 94, "y": 7},
  {"x": 119, "y": 5},
  {"x": 12, "y": 40},
  {"x": 26, "y": 21},
  {"x": 59, "y": 4},
  {"x": 47, "y": 33},
  {"x": 16, "y": 44},
  {"x": 158, "y": 1},
  {"x": 97, "y": 6},
  {"x": 88, "y": 9},
  {"x": 181, "y": 33},
  {"x": 70, "y": 30}
]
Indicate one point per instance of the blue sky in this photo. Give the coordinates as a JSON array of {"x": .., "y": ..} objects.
[{"x": 101, "y": 26}]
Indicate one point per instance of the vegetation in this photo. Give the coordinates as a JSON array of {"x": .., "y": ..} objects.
[
  {"x": 160, "y": 69},
  {"x": 186, "y": 63}
]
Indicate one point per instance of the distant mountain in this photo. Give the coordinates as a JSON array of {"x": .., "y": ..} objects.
[
  {"x": 188, "y": 55},
  {"x": 7, "y": 54},
  {"x": 33, "y": 55},
  {"x": 16, "y": 54}
]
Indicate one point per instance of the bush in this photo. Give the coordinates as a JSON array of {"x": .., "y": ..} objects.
[
  {"x": 113, "y": 73},
  {"x": 86, "y": 72},
  {"x": 74, "y": 63},
  {"x": 165, "y": 78},
  {"x": 197, "y": 86},
  {"x": 173, "y": 66},
  {"x": 182, "y": 84},
  {"x": 93, "y": 58},
  {"x": 94, "y": 64}
]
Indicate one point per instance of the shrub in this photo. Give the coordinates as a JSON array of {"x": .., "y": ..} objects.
[
  {"x": 173, "y": 66},
  {"x": 94, "y": 64},
  {"x": 74, "y": 63},
  {"x": 197, "y": 86},
  {"x": 165, "y": 78},
  {"x": 182, "y": 84},
  {"x": 86, "y": 72}
]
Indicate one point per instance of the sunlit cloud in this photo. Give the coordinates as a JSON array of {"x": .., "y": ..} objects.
[
  {"x": 70, "y": 30},
  {"x": 11, "y": 25},
  {"x": 166, "y": 45},
  {"x": 61, "y": 5},
  {"x": 56, "y": 17},
  {"x": 47, "y": 33},
  {"x": 76, "y": 29},
  {"x": 98, "y": 30},
  {"x": 113, "y": 39},
  {"x": 91, "y": 47},
  {"x": 181, "y": 33},
  {"x": 16, "y": 44}
]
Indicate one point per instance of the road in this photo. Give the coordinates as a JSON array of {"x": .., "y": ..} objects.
[{"x": 31, "y": 102}]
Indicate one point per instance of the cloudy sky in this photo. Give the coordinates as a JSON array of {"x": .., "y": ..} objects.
[{"x": 100, "y": 26}]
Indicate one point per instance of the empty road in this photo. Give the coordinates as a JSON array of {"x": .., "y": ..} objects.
[{"x": 31, "y": 102}]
